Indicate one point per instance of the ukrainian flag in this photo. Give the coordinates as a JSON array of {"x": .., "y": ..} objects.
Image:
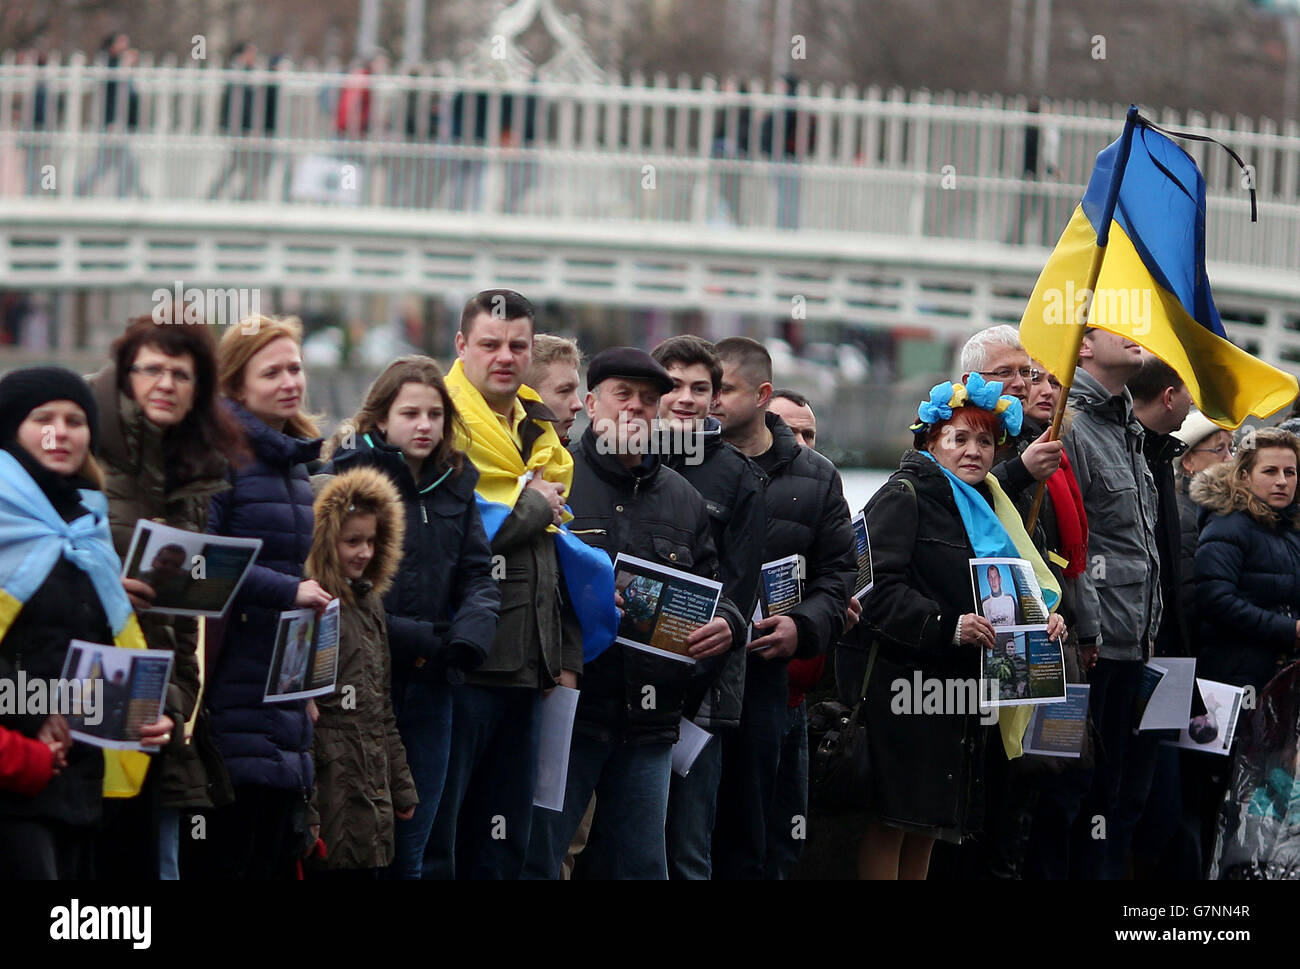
[{"x": 1152, "y": 287}]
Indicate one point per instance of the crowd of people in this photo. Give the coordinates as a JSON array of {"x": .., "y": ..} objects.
[{"x": 467, "y": 534}]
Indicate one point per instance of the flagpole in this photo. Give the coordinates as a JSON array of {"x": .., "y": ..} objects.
[{"x": 1094, "y": 273}]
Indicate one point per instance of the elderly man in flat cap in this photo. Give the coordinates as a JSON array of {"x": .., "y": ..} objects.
[{"x": 625, "y": 499}]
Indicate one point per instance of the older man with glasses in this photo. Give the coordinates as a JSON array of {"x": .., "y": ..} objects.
[{"x": 995, "y": 353}]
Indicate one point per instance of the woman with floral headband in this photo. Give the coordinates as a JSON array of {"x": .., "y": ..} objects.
[{"x": 938, "y": 511}]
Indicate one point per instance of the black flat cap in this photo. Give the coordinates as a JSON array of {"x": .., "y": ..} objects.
[{"x": 630, "y": 363}]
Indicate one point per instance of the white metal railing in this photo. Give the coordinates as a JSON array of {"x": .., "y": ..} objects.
[{"x": 709, "y": 157}]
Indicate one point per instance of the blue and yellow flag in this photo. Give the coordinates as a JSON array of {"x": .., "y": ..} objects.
[
  {"x": 503, "y": 473},
  {"x": 1152, "y": 287}
]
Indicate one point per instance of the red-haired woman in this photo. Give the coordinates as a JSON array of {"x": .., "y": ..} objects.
[
  {"x": 164, "y": 440},
  {"x": 938, "y": 511}
]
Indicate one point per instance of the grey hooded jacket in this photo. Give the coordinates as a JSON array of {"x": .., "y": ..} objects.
[{"x": 1121, "y": 582}]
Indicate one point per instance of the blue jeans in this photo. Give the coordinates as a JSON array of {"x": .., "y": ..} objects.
[
  {"x": 750, "y": 761},
  {"x": 486, "y": 811},
  {"x": 631, "y": 783},
  {"x": 169, "y": 844},
  {"x": 424, "y": 722},
  {"x": 692, "y": 811},
  {"x": 787, "y": 825}
]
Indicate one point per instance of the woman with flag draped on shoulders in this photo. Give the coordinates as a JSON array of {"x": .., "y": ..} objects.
[
  {"x": 58, "y": 582},
  {"x": 939, "y": 510}
]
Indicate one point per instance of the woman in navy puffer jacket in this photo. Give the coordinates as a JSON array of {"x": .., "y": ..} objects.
[
  {"x": 266, "y": 746},
  {"x": 1248, "y": 562}
]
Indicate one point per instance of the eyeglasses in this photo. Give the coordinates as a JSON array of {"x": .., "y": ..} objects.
[
  {"x": 154, "y": 372},
  {"x": 1006, "y": 373},
  {"x": 1220, "y": 450}
]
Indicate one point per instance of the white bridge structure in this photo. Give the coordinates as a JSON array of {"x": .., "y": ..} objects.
[{"x": 869, "y": 207}]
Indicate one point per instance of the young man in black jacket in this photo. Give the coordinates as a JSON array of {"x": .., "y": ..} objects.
[
  {"x": 807, "y": 516},
  {"x": 627, "y": 500},
  {"x": 1150, "y": 794},
  {"x": 732, "y": 488}
]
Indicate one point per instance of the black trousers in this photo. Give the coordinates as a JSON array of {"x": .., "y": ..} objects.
[
  {"x": 258, "y": 837},
  {"x": 34, "y": 849},
  {"x": 127, "y": 845}
]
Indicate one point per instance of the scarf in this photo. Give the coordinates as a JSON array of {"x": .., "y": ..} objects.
[
  {"x": 503, "y": 473},
  {"x": 997, "y": 532},
  {"x": 33, "y": 537},
  {"x": 1071, "y": 518}
]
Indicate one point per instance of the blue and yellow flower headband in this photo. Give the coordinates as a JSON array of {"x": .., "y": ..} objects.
[{"x": 947, "y": 396}]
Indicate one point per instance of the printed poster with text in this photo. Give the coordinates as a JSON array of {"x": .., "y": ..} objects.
[{"x": 662, "y": 606}]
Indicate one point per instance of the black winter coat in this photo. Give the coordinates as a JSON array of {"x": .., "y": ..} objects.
[
  {"x": 1173, "y": 638},
  {"x": 926, "y": 767},
  {"x": 807, "y": 515},
  {"x": 267, "y": 744},
  {"x": 64, "y": 608},
  {"x": 1189, "y": 527},
  {"x": 653, "y": 515},
  {"x": 1248, "y": 587},
  {"x": 443, "y": 592},
  {"x": 732, "y": 487}
]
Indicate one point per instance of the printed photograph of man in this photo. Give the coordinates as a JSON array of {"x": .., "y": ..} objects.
[
  {"x": 998, "y": 602},
  {"x": 295, "y": 660},
  {"x": 168, "y": 575},
  {"x": 1007, "y": 662}
]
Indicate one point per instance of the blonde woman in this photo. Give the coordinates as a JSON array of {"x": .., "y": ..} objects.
[
  {"x": 266, "y": 746},
  {"x": 1248, "y": 562}
]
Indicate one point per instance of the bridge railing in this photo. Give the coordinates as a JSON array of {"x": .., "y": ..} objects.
[{"x": 711, "y": 157}]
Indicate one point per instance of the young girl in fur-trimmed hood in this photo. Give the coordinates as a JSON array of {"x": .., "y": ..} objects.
[{"x": 362, "y": 779}]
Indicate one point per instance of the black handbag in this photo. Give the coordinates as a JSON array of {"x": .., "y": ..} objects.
[{"x": 840, "y": 771}]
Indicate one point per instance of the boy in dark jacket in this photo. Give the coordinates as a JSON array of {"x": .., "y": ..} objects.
[
  {"x": 732, "y": 489},
  {"x": 625, "y": 500}
]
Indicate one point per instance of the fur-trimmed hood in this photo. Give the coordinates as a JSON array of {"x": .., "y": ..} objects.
[
  {"x": 358, "y": 486},
  {"x": 1215, "y": 490}
]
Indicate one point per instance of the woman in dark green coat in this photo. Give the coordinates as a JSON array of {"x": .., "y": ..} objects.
[{"x": 164, "y": 443}]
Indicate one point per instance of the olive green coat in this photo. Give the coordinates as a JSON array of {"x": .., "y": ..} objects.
[
  {"x": 362, "y": 777},
  {"x": 134, "y": 457}
]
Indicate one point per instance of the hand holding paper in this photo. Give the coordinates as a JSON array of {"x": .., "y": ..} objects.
[
  {"x": 1055, "y": 626},
  {"x": 783, "y": 639},
  {"x": 158, "y": 733},
  {"x": 712, "y": 638},
  {"x": 977, "y": 631},
  {"x": 140, "y": 593},
  {"x": 853, "y": 614},
  {"x": 311, "y": 596}
]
